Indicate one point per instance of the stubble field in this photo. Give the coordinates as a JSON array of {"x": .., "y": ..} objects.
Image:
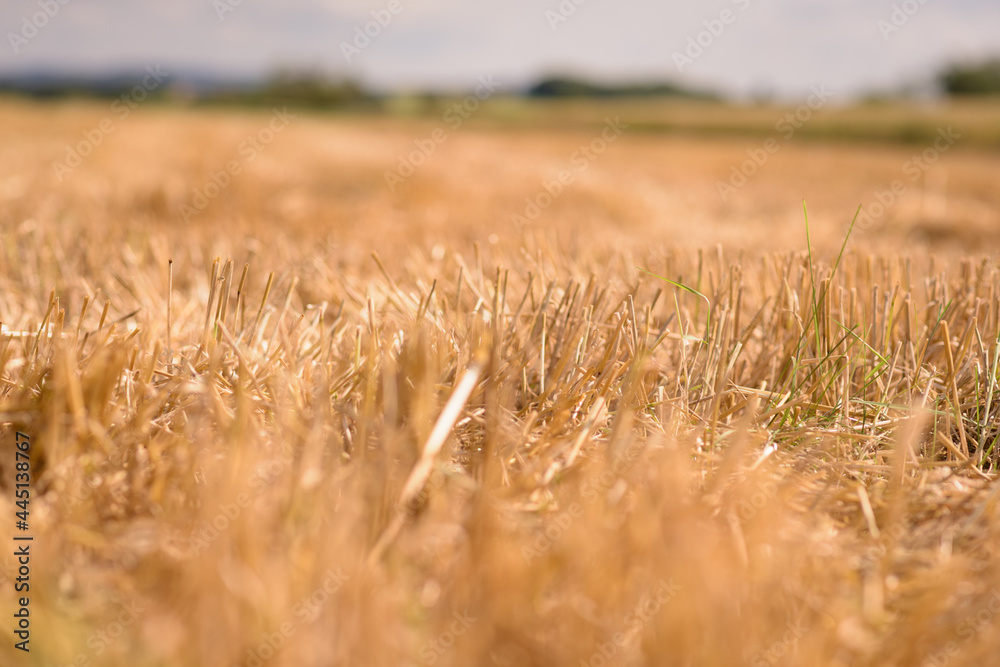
[{"x": 553, "y": 399}]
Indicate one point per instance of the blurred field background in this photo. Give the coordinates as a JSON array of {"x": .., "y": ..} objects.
[
  {"x": 626, "y": 480},
  {"x": 325, "y": 174}
]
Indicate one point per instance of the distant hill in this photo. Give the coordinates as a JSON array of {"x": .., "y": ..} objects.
[
  {"x": 58, "y": 84},
  {"x": 573, "y": 87},
  {"x": 52, "y": 84},
  {"x": 981, "y": 78},
  {"x": 294, "y": 87},
  {"x": 299, "y": 88},
  {"x": 319, "y": 90}
]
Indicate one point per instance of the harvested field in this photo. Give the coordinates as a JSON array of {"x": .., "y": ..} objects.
[{"x": 325, "y": 420}]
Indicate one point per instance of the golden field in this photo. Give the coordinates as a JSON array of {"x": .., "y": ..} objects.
[{"x": 284, "y": 412}]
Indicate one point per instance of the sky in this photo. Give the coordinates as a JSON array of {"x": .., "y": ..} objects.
[{"x": 747, "y": 47}]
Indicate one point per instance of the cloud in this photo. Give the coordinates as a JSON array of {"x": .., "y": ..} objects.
[{"x": 781, "y": 45}]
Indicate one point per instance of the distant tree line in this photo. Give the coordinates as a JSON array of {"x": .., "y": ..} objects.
[
  {"x": 298, "y": 88},
  {"x": 972, "y": 79},
  {"x": 305, "y": 88},
  {"x": 572, "y": 87}
]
